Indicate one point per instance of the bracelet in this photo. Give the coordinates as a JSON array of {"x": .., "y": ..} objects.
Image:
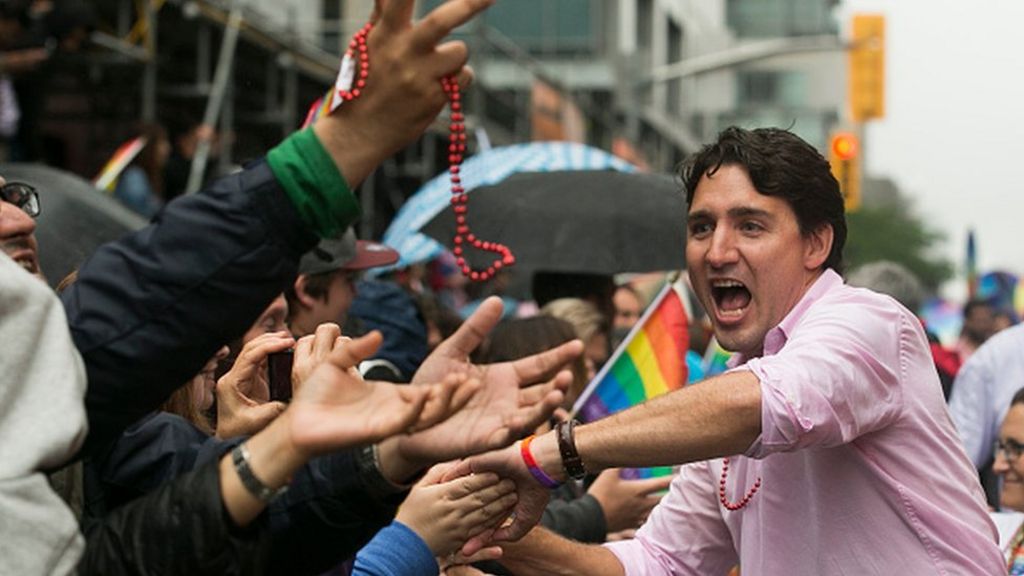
[
  {"x": 571, "y": 460},
  {"x": 255, "y": 486},
  {"x": 367, "y": 460},
  {"x": 531, "y": 465}
]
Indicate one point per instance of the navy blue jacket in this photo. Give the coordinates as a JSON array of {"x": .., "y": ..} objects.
[{"x": 146, "y": 314}]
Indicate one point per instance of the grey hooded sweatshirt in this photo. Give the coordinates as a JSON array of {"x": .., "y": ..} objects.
[{"x": 42, "y": 424}]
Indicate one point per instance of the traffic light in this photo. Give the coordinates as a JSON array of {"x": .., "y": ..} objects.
[
  {"x": 867, "y": 67},
  {"x": 844, "y": 157}
]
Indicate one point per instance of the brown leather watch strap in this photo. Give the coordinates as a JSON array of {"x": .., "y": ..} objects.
[{"x": 571, "y": 461}]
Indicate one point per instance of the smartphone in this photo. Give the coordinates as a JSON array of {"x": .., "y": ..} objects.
[{"x": 279, "y": 375}]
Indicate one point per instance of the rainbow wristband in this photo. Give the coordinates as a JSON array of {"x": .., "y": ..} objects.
[{"x": 531, "y": 465}]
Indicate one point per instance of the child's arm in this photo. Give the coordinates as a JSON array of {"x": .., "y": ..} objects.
[{"x": 434, "y": 521}]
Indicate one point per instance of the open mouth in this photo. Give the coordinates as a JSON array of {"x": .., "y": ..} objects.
[{"x": 731, "y": 298}]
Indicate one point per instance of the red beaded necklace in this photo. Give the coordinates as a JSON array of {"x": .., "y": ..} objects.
[
  {"x": 456, "y": 150},
  {"x": 734, "y": 506}
]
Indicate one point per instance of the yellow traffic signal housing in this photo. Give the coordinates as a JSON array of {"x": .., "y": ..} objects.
[
  {"x": 867, "y": 67},
  {"x": 844, "y": 158}
]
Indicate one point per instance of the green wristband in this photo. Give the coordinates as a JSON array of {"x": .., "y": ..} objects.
[{"x": 316, "y": 187}]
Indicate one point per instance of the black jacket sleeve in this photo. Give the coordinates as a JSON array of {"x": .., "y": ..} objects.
[
  {"x": 326, "y": 515},
  {"x": 181, "y": 528},
  {"x": 154, "y": 306}
]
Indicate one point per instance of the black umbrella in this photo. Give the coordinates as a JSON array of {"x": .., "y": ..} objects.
[
  {"x": 76, "y": 218},
  {"x": 603, "y": 222}
]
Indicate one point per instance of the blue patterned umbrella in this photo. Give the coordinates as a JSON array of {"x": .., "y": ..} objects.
[{"x": 485, "y": 168}]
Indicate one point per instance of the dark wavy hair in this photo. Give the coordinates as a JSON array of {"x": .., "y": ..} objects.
[{"x": 779, "y": 164}]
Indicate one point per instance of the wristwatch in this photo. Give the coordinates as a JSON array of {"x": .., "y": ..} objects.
[
  {"x": 571, "y": 461},
  {"x": 255, "y": 486}
]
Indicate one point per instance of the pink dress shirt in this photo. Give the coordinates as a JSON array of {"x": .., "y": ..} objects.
[{"x": 862, "y": 470}]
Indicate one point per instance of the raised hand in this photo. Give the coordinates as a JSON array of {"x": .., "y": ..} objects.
[
  {"x": 334, "y": 409},
  {"x": 403, "y": 92},
  {"x": 243, "y": 397},
  {"x": 626, "y": 503},
  {"x": 532, "y": 496},
  {"x": 447, "y": 514},
  {"x": 515, "y": 398},
  {"x": 313, "y": 349}
]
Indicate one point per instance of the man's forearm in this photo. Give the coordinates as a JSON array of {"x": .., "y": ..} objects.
[
  {"x": 718, "y": 417},
  {"x": 544, "y": 553}
]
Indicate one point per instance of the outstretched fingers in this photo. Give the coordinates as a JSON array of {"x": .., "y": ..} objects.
[
  {"x": 473, "y": 331},
  {"x": 448, "y": 398},
  {"x": 445, "y": 18},
  {"x": 542, "y": 366},
  {"x": 256, "y": 351},
  {"x": 450, "y": 58},
  {"x": 404, "y": 416},
  {"x": 356, "y": 350},
  {"x": 395, "y": 14}
]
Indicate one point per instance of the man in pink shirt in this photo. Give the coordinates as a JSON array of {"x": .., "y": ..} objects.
[{"x": 827, "y": 449}]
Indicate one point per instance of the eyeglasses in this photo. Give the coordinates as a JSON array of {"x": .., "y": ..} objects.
[
  {"x": 1010, "y": 448},
  {"x": 23, "y": 196}
]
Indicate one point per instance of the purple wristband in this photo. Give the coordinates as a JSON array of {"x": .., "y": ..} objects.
[{"x": 531, "y": 465}]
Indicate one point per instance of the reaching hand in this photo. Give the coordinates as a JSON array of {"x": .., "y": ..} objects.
[
  {"x": 516, "y": 396},
  {"x": 447, "y": 514},
  {"x": 626, "y": 503},
  {"x": 533, "y": 497},
  {"x": 403, "y": 92},
  {"x": 243, "y": 406},
  {"x": 312, "y": 350},
  {"x": 335, "y": 410}
]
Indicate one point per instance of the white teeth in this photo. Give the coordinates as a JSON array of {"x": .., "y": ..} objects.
[{"x": 727, "y": 284}]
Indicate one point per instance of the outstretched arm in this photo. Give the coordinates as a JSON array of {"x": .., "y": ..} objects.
[
  {"x": 335, "y": 410},
  {"x": 403, "y": 94},
  {"x": 149, "y": 310},
  {"x": 515, "y": 397},
  {"x": 718, "y": 417}
]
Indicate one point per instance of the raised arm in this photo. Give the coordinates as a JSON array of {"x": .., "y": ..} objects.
[{"x": 149, "y": 310}]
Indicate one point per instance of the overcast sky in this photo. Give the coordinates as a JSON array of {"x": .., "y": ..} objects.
[{"x": 953, "y": 135}]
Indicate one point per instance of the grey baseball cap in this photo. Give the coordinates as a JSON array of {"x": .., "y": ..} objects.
[{"x": 346, "y": 253}]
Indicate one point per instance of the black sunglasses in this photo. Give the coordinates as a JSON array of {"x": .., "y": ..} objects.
[{"x": 23, "y": 196}]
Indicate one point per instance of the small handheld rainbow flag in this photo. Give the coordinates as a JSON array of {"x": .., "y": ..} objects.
[
  {"x": 106, "y": 180},
  {"x": 319, "y": 108},
  {"x": 650, "y": 362},
  {"x": 330, "y": 101}
]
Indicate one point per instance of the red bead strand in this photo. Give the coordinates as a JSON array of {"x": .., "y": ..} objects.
[
  {"x": 359, "y": 53},
  {"x": 460, "y": 199},
  {"x": 734, "y": 506}
]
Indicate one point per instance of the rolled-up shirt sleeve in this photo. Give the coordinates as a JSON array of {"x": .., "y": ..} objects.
[
  {"x": 839, "y": 377},
  {"x": 685, "y": 533}
]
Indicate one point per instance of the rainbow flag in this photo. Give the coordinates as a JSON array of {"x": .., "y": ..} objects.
[
  {"x": 319, "y": 108},
  {"x": 650, "y": 361},
  {"x": 330, "y": 101},
  {"x": 107, "y": 178}
]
